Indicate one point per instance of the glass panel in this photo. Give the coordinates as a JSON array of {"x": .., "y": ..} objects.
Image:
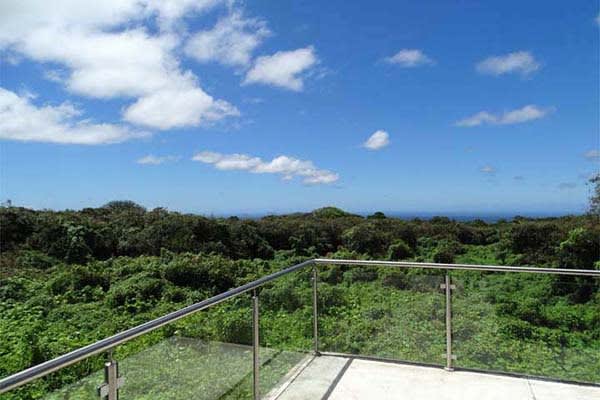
[
  {"x": 383, "y": 312},
  {"x": 285, "y": 329},
  {"x": 59, "y": 385},
  {"x": 543, "y": 325},
  {"x": 205, "y": 356},
  {"x": 84, "y": 389}
]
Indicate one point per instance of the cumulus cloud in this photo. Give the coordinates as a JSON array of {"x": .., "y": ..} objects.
[
  {"x": 527, "y": 113},
  {"x": 377, "y": 140},
  {"x": 106, "y": 54},
  {"x": 592, "y": 154},
  {"x": 521, "y": 62},
  {"x": 230, "y": 42},
  {"x": 408, "y": 58},
  {"x": 151, "y": 159},
  {"x": 488, "y": 169},
  {"x": 287, "y": 167},
  {"x": 172, "y": 108},
  {"x": 284, "y": 68},
  {"x": 23, "y": 121},
  {"x": 18, "y": 17}
]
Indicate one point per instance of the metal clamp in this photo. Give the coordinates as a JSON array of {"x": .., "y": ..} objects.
[
  {"x": 112, "y": 381},
  {"x": 443, "y": 286},
  {"x": 452, "y": 356}
]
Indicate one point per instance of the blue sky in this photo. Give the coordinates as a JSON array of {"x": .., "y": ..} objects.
[{"x": 220, "y": 107}]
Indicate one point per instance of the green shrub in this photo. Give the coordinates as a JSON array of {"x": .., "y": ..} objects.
[
  {"x": 187, "y": 272},
  {"x": 399, "y": 250},
  {"x": 136, "y": 292},
  {"x": 35, "y": 259}
]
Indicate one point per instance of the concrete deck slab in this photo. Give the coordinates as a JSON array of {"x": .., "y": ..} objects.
[
  {"x": 315, "y": 380},
  {"x": 365, "y": 380}
]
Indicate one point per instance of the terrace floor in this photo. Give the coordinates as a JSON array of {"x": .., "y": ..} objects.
[{"x": 341, "y": 378}]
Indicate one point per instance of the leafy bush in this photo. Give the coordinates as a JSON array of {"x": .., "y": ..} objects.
[
  {"x": 136, "y": 292},
  {"x": 399, "y": 250},
  {"x": 35, "y": 259}
]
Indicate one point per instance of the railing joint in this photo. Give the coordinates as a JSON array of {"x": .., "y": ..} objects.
[{"x": 109, "y": 390}]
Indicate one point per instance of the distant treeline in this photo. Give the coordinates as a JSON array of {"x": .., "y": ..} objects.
[{"x": 124, "y": 228}]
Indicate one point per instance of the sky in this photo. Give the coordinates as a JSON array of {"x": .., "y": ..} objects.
[{"x": 225, "y": 107}]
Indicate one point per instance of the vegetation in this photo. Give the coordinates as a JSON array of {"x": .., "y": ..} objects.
[{"x": 70, "y": 278}]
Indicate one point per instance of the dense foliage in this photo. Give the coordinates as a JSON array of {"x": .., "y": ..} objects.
[{"x": 72, "y": 277}]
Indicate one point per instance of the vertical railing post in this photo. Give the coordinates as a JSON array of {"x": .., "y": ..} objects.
[
  {"x": 449, "y": 356},
  {"x": 315, "y": 281},
  {"x": 112, "y": 381},
  {"x": 255, "y": 346}
]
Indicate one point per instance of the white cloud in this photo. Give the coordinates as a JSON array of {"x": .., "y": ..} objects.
[
  {"x": 174, "y": 108},
  {"x": 527, "y": 113},
  {"x": 170, "y": 11},
  {"x": 287, "y": 167},
  {"x": 377, "y": 140},
  {"x": 592, "y": 154},
  {"x": 283, "y": 69},
  {"x": 23, "y": 121},
  {"x": 521, "y": 62},
  {"x": 230, "y": 42},
  {"x": 477, "y": 119},
  {"x": 107, "y": 58},
  {"x": 151, "y": 159},
  {"x": 488, "y": 169},
  {"x": 19, "y": 17},
  {"x": 409, "y": 58}
]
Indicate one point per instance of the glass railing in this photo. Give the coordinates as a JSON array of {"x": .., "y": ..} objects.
[
  {"x": 205, "y": 356},
  {"x": 530, "y": 324},
  {"x": 393, "y": 314},
  {"x": 253, "y": 341}
]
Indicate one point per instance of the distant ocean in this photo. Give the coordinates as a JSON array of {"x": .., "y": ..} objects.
[{"x": 487, "y": 217}]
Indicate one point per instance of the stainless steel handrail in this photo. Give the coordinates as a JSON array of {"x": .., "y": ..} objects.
[
  {"x": 467, "y": 267},
  {"x": 40, "y": 370}
]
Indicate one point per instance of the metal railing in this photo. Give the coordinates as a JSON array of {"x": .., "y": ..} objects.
[{"x": 110, "y": 389}]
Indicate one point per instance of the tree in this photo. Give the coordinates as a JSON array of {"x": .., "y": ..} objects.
[
  {"x": 367, "y": 238},
  {"x": 399, "y": 250},
  {"x": 124, "y": 206},
  {"x": 581, "y": 249},
  {"x": 595, "y": 197},
  {"x": 377, "y": 215},
  {"x": 446, "y": 251}
]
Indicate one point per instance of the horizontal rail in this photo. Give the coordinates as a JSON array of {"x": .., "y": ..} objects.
[
  {"x": 43, "y": 369},
  {"x": 466, "y": 267}
]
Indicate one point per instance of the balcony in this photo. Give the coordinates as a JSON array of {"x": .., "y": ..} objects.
[{"x": 430, "y": 336}]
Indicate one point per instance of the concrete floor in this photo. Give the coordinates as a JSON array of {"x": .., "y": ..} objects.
[{"x": 339, "y": 378}]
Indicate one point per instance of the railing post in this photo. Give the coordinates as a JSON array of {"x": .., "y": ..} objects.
[
  {"x": 255, "y": 346},
  {"x": 448, "y": 288},
  {"x": 315, "y": 280},
  {"x": 112, "y": 382}
]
